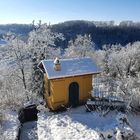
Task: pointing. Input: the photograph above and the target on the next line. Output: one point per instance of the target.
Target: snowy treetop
(70, 67)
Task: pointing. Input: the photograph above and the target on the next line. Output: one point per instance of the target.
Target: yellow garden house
(67, 81)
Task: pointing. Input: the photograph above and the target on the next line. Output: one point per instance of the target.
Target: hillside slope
(105, 34)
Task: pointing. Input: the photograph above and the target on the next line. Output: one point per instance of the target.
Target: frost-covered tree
(82, 46)
(123, 70)
(17, 69)
(124, 66)
(42, 46)
(42, 41)
(13, 94)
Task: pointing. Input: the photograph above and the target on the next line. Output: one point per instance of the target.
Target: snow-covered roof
(70, 67)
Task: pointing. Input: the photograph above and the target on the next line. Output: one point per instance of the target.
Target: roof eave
(74, 75)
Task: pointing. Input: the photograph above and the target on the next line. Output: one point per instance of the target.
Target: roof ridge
(75, 58)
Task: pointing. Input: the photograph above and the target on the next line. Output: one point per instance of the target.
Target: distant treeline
(20, 29)
(101, 32)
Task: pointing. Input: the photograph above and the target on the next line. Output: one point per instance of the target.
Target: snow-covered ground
(135, 123)
(29, 131)
(10, 125)
(78, 124)
(74, 124)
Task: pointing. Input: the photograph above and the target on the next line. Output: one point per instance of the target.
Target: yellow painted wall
(59, 90)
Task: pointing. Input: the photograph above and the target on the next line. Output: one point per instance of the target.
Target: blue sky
(55, 11)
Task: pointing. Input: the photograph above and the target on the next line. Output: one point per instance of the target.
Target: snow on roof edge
(41, 62)
(57, 77)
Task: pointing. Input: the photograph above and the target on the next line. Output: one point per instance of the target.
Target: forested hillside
(101, 32)
(20, 29)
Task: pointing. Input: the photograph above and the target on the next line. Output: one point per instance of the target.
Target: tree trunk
(23, 79)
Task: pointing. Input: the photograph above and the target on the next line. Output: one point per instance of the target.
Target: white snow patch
(29, 131)
(78, 124)
(10, 125)
(75, 124)
(59, 127)
(135, 123)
